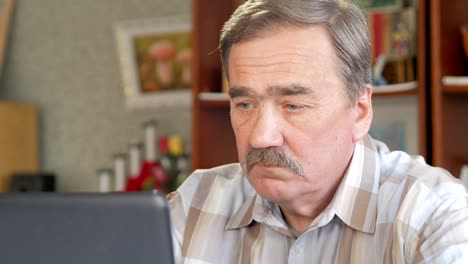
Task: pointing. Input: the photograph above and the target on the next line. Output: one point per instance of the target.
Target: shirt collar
(260, 210)
(244, 216)
(355, 201)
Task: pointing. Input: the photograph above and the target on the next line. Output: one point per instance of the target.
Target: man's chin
(271, 189)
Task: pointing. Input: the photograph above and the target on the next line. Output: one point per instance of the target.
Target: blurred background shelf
(455, 89)
(449, 94)
(407, 88)
(455, 84)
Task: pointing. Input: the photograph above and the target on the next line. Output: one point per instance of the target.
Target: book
(393, 34)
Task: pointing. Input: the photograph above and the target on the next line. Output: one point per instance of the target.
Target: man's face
(286, 96)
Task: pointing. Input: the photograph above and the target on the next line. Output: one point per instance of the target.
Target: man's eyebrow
(238, 91)
(289, 90)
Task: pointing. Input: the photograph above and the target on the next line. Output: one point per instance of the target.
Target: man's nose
(266, 130)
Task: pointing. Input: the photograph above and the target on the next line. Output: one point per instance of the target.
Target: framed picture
(6, 10)
(155, 58)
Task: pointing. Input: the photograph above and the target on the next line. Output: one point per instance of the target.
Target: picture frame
(6, 11)
(155, 60)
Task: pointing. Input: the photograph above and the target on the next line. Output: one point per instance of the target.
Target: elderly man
(311, 185)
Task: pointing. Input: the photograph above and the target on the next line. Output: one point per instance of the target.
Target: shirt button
(299, 249)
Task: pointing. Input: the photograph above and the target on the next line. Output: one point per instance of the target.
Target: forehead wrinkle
(286, 64)
(296, 50)
(266, 59)
(249, 63)
(270, 71)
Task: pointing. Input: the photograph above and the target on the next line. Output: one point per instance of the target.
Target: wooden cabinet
(449, 100)
(213, 141)
(18, 141)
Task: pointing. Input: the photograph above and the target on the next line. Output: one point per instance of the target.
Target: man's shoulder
(219, 190)
(426, 206)
(412, 174)
(227, 171)
(229, 175)
(413, 189)
(204, 204)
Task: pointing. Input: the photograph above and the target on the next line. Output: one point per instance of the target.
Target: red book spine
(378, 34)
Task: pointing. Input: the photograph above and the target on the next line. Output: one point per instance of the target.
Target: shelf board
(407, 88)
(455, 84)
(214, 99)
(455, 89)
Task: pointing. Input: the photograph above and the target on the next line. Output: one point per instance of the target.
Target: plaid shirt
(389, 208)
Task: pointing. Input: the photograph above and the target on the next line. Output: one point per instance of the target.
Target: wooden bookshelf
(213, 141)
(449, 101)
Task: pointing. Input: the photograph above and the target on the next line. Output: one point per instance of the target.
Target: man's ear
(363, 114)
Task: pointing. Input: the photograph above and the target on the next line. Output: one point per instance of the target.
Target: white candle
(104, 180)
(464, 175)
(135, 158)
(150, 142)
(119, 172)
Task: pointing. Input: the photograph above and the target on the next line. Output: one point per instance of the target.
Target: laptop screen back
(53, 228)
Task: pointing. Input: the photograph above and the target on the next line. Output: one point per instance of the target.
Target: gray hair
(344, 21)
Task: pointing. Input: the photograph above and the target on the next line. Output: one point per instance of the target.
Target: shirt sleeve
(444, 239)
(431, 225)
(178, 218)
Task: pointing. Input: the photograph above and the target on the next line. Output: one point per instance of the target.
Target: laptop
(60, 228)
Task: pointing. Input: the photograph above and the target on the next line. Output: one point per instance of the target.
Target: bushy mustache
(272, 156)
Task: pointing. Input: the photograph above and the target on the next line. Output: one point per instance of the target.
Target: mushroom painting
(163, 61)
(184, 57)
(163, 53)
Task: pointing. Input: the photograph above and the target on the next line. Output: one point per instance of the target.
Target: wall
(398, 115)
(62, 57)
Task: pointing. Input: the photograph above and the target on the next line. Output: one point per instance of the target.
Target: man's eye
(294, 107)
(244, 105)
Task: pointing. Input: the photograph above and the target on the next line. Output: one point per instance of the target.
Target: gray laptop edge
(59, 228)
